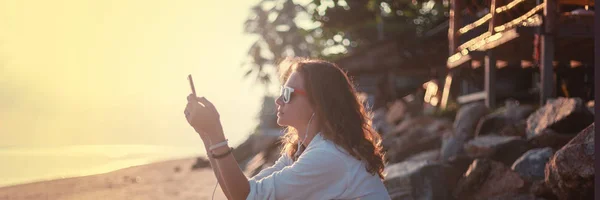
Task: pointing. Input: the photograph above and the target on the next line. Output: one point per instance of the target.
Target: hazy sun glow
(76, 72)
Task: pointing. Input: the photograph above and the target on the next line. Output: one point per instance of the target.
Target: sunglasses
(286, 93)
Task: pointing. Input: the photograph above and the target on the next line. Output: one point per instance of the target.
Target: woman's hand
(202, 115)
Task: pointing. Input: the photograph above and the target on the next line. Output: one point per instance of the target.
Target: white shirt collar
(318, 138)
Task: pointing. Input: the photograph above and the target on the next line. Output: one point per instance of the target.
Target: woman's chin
(281, 121)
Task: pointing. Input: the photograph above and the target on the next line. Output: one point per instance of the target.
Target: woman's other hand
(202, 115)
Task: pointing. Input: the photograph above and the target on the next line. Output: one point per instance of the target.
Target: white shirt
(323, 171)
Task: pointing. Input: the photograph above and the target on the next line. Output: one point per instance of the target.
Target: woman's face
(297, 111)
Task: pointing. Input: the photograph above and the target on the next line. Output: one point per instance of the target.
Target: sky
(113, 72)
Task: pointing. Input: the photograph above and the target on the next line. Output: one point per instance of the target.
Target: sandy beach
(172, 179)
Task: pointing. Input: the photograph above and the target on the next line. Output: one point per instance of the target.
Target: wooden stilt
(453, 41)
(547, 52)
(490, 64)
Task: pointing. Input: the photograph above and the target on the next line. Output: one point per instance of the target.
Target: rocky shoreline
(514, 152)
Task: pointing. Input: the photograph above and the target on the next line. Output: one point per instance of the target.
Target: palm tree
(275, 22)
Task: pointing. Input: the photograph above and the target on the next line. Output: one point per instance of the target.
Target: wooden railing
(490, 39)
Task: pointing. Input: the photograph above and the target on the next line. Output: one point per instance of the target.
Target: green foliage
(275, 22)
(363, 22)
(329, 29)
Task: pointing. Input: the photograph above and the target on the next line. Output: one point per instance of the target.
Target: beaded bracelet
(220, 144)
(223, 155)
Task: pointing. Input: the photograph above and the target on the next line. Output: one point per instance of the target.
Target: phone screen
(192, 85)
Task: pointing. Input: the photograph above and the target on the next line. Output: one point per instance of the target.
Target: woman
(330, 150)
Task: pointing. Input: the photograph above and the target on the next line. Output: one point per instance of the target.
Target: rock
(200, 163)
(505, 149)
(452, 146)
(396, 112)
(485, 146)
(464, 125)
(430, 155)
(260, 141)
(540, 189)
(255, 165)
(515, 129)
(420, 180)
(379, 122)
(531, 164)
(397, 178)
(418, 138)
(486, 179)
(262, 160)
(570, 172)
(407, 125)
(266, 138)
(550, 138)
(515, 196)
(468, 117)
(514, 111)
(500, 125)
(507, 121)
(491, 124)
(243, 152)
(563, 115)
(136, 179)
(475, 176)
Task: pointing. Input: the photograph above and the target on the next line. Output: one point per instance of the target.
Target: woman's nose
(279, 101)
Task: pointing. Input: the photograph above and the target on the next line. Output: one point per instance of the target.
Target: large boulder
(540, 189)
(570, 172)
(531, 164)
(550, 138)
(396, 112)
(464, 125)
(264, 139)
(412, 180)
(505, 149)
(516, 196)
(508, 121)
(563, 115)
(486, 179)
(407, 125)
(430, 155)
(244, 151)
(379, 122)
(419, 137)
(267, 155)
(514, 111)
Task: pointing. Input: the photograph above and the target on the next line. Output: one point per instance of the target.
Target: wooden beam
(490, 63)
(446, 91)
(547, 51)
(477, 96)
(454, 25)
(490, 79)
(455, 63)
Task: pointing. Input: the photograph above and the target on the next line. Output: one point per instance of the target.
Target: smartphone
(192, 85)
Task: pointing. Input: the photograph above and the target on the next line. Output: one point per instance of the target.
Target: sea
(20, 165)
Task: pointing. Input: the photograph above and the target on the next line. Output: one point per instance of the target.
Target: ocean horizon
(22, 165)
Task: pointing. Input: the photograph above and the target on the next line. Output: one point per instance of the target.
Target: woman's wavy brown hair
(344, 120)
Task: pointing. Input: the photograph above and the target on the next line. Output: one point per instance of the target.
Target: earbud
(297, 154)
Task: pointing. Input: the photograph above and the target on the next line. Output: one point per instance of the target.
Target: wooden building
(396, 67)
(543, 35)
